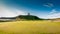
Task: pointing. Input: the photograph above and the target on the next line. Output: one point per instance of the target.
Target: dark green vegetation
(29, 17)
(20, 17)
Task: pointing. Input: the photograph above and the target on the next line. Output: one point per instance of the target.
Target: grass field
(30, 27)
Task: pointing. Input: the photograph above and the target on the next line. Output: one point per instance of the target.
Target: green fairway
(30, 27)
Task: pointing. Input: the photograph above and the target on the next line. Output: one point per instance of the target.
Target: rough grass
(30, 27)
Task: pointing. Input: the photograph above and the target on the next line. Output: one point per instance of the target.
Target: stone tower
(28, 14)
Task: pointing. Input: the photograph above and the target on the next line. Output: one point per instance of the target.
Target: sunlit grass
(30, 27)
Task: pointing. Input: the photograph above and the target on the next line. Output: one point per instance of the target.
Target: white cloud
(53, 14)
(56, 15)
(53, 11)
(8, 12)
(48, 5)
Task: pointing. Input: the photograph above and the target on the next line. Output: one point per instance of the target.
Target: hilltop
(21, 17)
(28, 17)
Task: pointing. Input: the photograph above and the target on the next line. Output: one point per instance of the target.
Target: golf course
(30, 27)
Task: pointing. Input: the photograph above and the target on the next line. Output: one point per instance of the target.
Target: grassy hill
(20, 17)
(28, 17)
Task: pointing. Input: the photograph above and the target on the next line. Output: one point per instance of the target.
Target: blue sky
(41, 8)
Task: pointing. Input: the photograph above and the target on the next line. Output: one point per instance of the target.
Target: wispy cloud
(48, 5)
(56, 15)
(53, 14)
(53, 11)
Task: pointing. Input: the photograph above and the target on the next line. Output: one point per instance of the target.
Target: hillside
(23, 17)
(28, 17)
